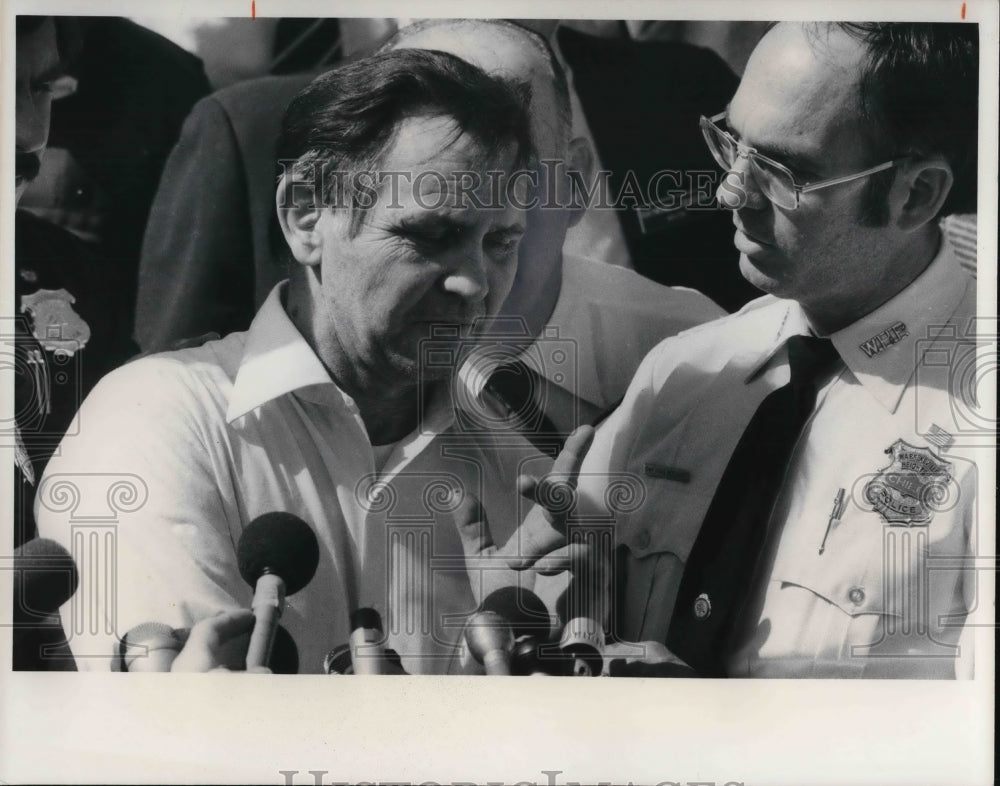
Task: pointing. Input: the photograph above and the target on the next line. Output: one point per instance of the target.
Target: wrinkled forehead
(501, 53)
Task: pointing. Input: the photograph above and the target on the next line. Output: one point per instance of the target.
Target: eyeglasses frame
(745, 151)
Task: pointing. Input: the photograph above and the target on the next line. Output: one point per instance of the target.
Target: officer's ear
(919, 190)
(581, 160)
(298, 216)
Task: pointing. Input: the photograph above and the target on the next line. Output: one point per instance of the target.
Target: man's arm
(142, 503)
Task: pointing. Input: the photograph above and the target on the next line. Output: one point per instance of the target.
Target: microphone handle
(367, 655)
(268, 605)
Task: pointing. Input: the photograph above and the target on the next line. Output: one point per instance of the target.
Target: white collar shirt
(177, 453)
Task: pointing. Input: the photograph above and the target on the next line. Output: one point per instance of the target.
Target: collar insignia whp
(882, 341)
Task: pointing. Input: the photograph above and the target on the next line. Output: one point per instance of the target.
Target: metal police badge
(55, 325)
(912, 487)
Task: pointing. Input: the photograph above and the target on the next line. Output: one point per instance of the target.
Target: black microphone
(504, 617)
(277, 554)
(523, 609)
(45, 577)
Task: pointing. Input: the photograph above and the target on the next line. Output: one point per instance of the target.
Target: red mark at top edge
(253, 9)
(963, 10)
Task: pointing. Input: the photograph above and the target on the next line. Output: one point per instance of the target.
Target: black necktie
(724, 556)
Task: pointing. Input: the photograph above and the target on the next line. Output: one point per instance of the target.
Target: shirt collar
(881, 348)
(276, 360)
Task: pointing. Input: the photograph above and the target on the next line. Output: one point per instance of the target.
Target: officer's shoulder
(712, 344)
(625, 287)
(758, 311)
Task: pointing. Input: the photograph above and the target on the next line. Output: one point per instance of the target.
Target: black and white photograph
(498, 340)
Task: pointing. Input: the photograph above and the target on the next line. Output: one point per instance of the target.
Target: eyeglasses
(775, 180)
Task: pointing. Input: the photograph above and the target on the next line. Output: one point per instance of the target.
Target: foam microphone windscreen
(45, 577)
(523, 609)
(281, 544)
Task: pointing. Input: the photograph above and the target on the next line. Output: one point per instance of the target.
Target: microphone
(277, 555)
(365, 644)
(149, 647)
(45, 577)
(523, 609)
(490, 639)
(583, 642)
(506, 617)
(284, 654)
(338, 660)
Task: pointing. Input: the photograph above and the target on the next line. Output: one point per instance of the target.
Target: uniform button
(856, 596)
(702, 607)
(642, 539)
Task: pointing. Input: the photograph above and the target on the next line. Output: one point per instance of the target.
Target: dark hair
(919, 93)
(69, 34)
(345, 120)
(538, 42)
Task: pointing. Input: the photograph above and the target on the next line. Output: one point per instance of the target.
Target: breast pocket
(873, 602)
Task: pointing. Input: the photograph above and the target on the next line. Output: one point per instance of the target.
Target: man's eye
(503, 242)
(431, 235)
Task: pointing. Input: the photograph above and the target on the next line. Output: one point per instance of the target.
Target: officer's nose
(738, 187)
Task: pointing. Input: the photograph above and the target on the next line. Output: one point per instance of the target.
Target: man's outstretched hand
(540, 542)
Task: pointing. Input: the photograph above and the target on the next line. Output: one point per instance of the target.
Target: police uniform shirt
(180, 451)
(889, 593)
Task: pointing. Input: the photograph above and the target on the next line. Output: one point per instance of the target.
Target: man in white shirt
(845, 144)
(326, 408)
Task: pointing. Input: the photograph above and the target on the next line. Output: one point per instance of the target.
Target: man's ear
(920, 189)
(580, 159)
(298, 225)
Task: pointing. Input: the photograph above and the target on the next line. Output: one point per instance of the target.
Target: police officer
(63, 332)
(799, 467)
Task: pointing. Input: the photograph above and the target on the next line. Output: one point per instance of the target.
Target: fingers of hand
(205, 649)
(556, 492)
(474, 528)
(574, 557)
(570, 458)
(535, 538)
